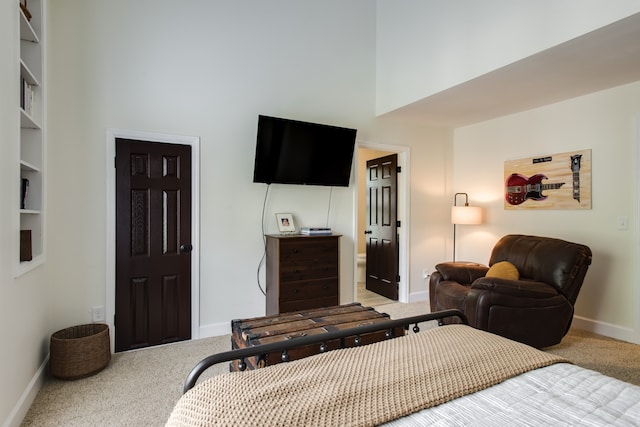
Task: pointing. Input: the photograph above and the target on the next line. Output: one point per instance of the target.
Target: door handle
(186, 248)
(368, 232)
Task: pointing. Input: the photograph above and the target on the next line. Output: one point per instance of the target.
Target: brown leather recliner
(536, 309)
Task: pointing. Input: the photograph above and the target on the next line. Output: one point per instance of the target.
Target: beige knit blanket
(361, 386)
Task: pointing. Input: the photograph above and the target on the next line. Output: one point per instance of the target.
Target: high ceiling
(602, 59)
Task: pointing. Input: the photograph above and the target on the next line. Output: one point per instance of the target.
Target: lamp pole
(453, 220)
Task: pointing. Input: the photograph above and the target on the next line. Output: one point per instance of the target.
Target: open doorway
(365, 153)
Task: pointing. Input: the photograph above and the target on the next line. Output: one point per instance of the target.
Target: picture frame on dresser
(285, 223)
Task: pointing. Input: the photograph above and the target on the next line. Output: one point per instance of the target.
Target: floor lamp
(463, 215)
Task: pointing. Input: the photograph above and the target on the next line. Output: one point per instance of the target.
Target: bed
(438, 375)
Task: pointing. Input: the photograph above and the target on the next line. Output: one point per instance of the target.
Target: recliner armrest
(516, 288)
(461, 272)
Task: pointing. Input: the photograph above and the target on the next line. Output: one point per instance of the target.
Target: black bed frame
(388, 326)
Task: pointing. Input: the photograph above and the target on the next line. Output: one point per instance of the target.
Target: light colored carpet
(612, 357)
(139, 388)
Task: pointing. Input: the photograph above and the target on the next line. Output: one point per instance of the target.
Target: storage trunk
(269, 329)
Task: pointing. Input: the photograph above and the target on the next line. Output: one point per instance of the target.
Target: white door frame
(403, 216)
(636, 269)
(194, 142)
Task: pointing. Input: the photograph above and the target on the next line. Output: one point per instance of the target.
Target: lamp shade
(466, 215)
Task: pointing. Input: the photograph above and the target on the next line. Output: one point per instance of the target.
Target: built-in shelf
(32, 169)
(26, 121)
(26, 74)
(26, 29)
(26, 266)
(28, 167)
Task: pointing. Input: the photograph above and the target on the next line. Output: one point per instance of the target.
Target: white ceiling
(602, 59)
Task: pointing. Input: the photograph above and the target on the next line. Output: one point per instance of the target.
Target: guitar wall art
(558, 181)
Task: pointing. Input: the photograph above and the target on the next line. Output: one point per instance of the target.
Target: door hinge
(398, 224)
(398, 169)
(398, 281)
(115, 163)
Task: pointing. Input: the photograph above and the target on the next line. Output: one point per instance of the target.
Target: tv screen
(295, 152)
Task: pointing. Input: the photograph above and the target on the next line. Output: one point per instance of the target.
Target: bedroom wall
(23, 300)
(425, 47)
(208, 69)
(605, 122)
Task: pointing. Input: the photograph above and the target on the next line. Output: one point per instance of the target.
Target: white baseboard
(215, 330)
(604, 328)
(419, 296)
(28, 396)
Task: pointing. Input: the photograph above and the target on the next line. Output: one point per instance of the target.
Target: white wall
(606, 123)
(24, 299)
(207, 69)
(427, 46)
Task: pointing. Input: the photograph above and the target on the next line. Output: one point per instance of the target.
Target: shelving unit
(32, 140)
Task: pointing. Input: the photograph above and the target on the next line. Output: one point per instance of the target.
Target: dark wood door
(381, 231)
(153, 243)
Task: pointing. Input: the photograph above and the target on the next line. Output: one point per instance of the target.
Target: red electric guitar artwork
(520, 188)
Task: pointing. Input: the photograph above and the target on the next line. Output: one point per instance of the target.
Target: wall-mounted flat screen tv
(295, 152)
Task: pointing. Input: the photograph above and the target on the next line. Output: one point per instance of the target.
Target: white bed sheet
(557, 395)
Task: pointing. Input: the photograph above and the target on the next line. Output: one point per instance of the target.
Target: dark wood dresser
(302, 272)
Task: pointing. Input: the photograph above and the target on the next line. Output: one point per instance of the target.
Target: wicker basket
(80, 351)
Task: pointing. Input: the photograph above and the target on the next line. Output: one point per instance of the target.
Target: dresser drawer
(308, 270)
(293, 291)
(308, 250)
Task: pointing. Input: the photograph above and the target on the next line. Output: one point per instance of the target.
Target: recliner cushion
(503, 270)
(450, 294)
(560, 263)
